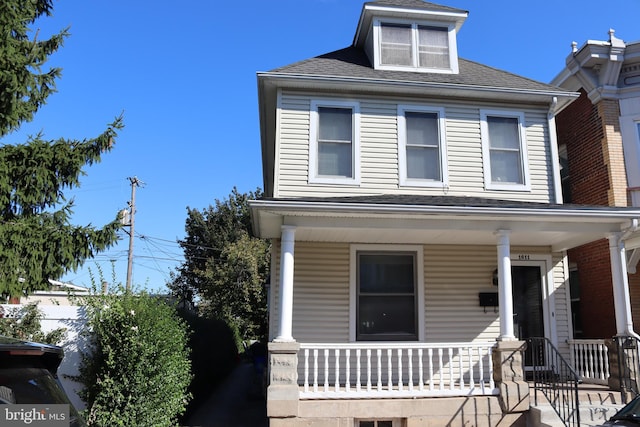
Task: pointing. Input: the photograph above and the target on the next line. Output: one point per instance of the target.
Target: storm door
(528, 310)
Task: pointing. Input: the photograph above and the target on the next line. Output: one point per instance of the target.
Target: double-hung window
(422, 146)
(333, 145)
(386, 294)
(418, 46)
(504, 151)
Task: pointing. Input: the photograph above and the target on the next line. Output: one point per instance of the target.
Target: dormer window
(415, 46)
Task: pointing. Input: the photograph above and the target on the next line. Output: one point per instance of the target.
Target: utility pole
(135, 182)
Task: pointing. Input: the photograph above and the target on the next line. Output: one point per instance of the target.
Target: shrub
(137, 370)
(24, 323)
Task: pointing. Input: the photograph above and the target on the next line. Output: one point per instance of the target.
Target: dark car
(628, 416)
(28, 376)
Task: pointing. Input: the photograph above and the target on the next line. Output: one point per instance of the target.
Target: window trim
(314, 178)
(453, 49)
(353, 283)
(405, 181)
(486, 151)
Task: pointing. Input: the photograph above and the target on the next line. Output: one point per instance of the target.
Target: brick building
(598, 137)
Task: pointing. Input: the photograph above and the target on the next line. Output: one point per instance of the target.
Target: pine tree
(37, 240)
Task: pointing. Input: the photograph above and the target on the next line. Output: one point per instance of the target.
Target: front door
(528, 312)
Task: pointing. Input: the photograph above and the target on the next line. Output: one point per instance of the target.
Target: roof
(457, 201)
(415, 4)
(352, 62)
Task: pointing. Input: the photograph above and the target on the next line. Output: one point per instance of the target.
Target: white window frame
(486, 151)
(453, 49)
(353, 282)
(402, 147)
(314, 177)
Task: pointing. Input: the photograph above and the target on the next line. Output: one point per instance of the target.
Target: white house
(419, 237)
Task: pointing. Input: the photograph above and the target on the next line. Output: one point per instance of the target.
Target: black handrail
(628, 365)
(555, 379)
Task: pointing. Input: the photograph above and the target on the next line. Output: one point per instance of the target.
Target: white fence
(590, 359)
(370, 370)
(72, 319)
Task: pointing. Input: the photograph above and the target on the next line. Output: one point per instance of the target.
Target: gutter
(384, 208)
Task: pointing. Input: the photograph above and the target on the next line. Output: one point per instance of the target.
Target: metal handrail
(554, 377)
(628, 365)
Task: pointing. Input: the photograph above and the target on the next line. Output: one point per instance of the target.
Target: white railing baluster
(492, 384)
(605, 363)
(410, 368)
(472, 383)
(306, 369)
(420, 370)
(326, 370)
(337, 370)
(368, 369)
(430, 352)
(389, 371)
(347, 386)
(358, 370)
(399, 363)
(461, 369)
(450, 368)
(379, 357)
(440, 369)
(481, 370)
(315, 370)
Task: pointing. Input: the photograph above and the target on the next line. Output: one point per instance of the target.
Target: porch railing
(590, 360)
(359, 370)
(554, 377)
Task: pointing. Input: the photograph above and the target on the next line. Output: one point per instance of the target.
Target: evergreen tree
(37, 242)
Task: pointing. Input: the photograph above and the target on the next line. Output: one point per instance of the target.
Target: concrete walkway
(237, 402)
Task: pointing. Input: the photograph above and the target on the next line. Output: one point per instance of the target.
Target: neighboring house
(57, 294)
(599, 141)
(419, 238)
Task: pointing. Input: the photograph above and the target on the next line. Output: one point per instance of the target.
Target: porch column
(287, 244)
(621, 300)
(505, 291)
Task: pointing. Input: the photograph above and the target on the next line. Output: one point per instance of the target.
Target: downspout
(616, 243)
(553, 146)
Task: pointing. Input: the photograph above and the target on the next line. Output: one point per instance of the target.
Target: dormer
(410, 35)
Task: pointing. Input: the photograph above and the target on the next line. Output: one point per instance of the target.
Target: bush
(138, 369)
(24, 323)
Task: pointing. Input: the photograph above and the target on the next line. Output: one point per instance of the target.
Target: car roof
(48, 355)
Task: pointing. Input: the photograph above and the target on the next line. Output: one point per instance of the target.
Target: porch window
(504, 151)
(334, 143)
(386, 296)
(422, 146)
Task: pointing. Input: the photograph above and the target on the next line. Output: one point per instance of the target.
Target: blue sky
(184, 76)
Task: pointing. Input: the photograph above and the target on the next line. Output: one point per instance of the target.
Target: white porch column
(287, 244)
(505, 290)
(621, 299)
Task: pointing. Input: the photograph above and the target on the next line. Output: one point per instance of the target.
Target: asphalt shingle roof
(416, 4)
(353, 62)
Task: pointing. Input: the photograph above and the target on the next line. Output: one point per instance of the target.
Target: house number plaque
(524, 257)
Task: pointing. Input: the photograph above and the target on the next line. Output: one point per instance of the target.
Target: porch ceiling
(558, 229)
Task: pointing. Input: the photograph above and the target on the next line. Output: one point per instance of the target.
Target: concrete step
(590, 416)
(597, 405)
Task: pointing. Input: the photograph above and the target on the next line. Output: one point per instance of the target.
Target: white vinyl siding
(379, 153)
(453, 277)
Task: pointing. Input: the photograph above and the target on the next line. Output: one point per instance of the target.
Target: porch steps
(597, 405)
